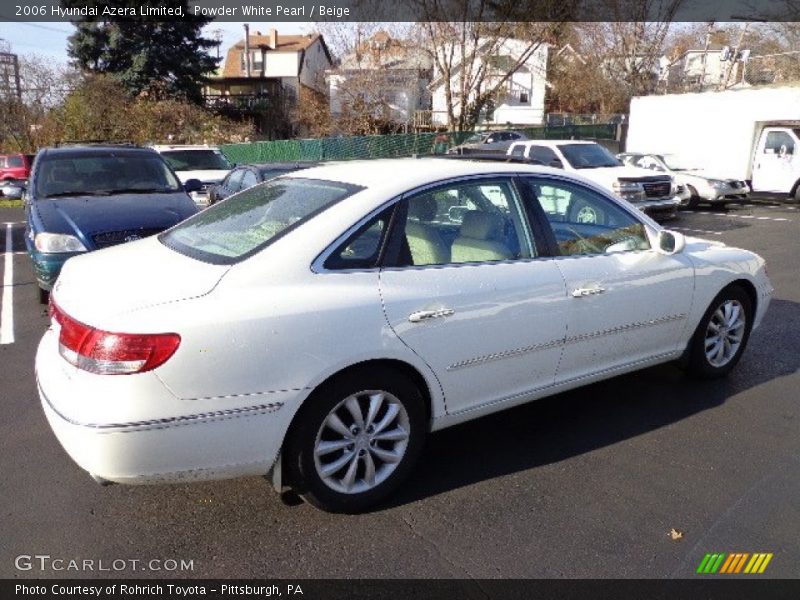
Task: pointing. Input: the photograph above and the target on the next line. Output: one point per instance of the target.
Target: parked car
(205, 163)
(656, 195)
(700, 185)
(84, 198)
(246, 176)
(488, 142)
(12, 189)
(320, 326)
(15, 166)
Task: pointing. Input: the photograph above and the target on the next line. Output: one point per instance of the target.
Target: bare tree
(463, 56)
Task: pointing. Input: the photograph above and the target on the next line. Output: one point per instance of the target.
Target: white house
(521, 98)
(703, 68)
(389, 76)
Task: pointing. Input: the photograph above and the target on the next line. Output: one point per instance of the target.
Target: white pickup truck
(656, 195)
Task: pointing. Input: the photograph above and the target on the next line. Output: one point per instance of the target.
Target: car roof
(167, 147)
(552, 142)
(94, 150)
(406, 173)
(279, 166)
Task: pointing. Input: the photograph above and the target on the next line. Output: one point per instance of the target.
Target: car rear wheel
(44, 296)
(355, 440)
(722, 335)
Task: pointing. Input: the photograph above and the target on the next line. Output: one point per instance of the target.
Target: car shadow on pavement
(556, 428)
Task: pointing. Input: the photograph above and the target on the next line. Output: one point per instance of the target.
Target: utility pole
(709, 31)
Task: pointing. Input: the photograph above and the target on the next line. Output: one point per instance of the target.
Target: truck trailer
(751, 134)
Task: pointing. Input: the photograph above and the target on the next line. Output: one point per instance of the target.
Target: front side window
(779, 142)
(228, 232)
(476, 221)
(103, 175)
(585, 222)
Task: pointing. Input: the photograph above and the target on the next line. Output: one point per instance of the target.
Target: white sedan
(700, 187)
(318, 326)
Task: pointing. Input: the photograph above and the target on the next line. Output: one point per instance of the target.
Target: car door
(775, 167)
(628, 303)
(472, 294)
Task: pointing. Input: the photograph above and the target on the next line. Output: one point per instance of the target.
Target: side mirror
(670, 242)
(193, 185)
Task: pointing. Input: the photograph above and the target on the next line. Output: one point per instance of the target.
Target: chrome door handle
(427, 315)
(592, 291)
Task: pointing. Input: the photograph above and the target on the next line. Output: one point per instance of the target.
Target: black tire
(796, 195)
(698, 364)
(44, 296)
(299, 449)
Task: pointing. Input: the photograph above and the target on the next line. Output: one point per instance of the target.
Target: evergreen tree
(160, 59)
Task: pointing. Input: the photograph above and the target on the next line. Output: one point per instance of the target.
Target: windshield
(196, 160)
(588, 156)
(474, 138)
(101, 175)
(232, 230)
(677, 163)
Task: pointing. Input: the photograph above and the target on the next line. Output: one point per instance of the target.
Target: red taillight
(109, 353)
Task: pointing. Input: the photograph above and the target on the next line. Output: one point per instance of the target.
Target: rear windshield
(233, 230)
(588, 156)
(104, 175)
(196, 160)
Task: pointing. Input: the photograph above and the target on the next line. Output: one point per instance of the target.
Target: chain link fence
(390, 146)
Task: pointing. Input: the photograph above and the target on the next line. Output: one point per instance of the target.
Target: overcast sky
(50, 39)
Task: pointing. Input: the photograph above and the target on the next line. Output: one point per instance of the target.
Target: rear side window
(229, 232)
(543, 154)
(249, 180)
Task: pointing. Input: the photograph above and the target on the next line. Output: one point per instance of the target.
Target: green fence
(389, 146)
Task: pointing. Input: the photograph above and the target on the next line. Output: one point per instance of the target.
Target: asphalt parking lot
(584, 484)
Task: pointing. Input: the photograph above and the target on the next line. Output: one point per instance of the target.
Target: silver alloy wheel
(724, 333)
(361, 441)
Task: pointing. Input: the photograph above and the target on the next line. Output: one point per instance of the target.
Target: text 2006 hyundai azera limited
(326, 321)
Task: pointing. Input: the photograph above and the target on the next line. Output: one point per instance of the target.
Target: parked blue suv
(89, 197)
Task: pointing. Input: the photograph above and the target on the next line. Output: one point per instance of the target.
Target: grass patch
(10, 203)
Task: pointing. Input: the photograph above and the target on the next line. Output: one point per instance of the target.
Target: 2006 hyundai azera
(320, 325)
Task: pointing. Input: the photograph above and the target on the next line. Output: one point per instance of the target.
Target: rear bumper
(132, 430)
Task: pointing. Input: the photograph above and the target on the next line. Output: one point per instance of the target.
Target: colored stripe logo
(733, 563)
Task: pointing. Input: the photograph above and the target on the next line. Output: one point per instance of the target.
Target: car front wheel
(721, 336)
(355, 440)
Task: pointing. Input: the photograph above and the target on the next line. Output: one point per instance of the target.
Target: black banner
(404, 10)
(732, 588)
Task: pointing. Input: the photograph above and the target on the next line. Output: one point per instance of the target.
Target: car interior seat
(424, 241)
(479, 238)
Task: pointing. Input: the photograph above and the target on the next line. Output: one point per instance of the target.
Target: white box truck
(752, 134)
